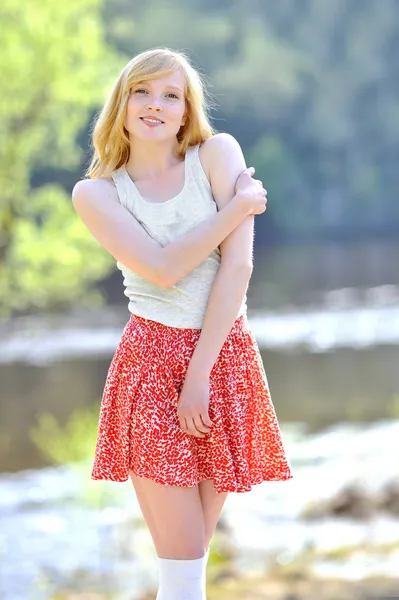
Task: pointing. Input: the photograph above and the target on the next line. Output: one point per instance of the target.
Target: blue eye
(145, 91)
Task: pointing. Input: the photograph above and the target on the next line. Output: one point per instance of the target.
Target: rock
(351, 501)
(389, 498)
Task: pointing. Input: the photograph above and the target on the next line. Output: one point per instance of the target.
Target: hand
(250, 193)
(193, 405)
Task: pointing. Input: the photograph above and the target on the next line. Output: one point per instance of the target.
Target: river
(326, 319)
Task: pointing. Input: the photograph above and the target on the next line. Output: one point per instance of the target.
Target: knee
(183, 551)
(183, 555)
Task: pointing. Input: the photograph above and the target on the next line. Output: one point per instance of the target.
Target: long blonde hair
(110, 139)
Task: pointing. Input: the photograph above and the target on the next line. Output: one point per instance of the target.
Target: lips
(152, 118)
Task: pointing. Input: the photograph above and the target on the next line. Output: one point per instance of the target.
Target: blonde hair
(110, 139)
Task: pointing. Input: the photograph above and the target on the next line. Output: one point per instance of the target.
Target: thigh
(174, 517)
(212, 504)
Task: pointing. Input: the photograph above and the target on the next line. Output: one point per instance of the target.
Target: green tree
(54, 69)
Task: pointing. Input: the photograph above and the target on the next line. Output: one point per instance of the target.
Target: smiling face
(161, 99)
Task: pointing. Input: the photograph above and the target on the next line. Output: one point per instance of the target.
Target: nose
(154, 104)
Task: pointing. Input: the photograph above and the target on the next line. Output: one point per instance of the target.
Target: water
(327, 315)
(327, 322)
(57, 526)
(344, 382)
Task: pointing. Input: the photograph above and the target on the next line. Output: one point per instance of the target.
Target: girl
(186, 411)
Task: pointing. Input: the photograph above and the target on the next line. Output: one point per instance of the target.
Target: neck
(151, 160)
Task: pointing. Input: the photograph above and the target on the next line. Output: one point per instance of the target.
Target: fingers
(261, 208)
(250, 171)
(206, 420)
(260, 184)
(191, 429)
(197, 426)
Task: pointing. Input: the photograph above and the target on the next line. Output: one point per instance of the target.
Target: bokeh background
(310, 89)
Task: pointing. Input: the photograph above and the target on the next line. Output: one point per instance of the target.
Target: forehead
(174, 79)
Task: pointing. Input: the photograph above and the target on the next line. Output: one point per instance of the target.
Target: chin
(153, 134)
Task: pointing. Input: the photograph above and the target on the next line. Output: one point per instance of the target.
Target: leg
(175, 520)
(174, 517)
(212, 504)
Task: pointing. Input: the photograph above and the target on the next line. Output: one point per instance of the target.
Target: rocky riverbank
(274, 588)
(266, 588)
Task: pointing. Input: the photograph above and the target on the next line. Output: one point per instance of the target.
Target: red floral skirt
(139, 428)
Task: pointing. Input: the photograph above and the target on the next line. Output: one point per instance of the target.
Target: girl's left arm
(226, 161)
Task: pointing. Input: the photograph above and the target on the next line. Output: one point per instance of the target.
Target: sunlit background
(310, 89)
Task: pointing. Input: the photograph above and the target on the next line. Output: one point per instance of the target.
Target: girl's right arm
(115, 228)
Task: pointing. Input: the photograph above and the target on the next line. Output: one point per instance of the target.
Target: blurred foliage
(394, 407)
(310, 89)
(54, 68)
(51, 255)
(72, 443)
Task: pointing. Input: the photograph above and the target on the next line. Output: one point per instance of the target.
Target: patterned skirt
(139, 428)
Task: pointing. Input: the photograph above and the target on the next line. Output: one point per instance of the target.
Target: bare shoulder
(94, 190)
(219, 149)
(220, 141)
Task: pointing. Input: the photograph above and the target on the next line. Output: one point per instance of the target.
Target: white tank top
(184, 304)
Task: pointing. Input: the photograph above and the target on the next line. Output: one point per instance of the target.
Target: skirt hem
(229, 488)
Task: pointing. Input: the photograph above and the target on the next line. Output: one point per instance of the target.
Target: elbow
(160, 282)
(160, 279)
(248, 267)
(238, 269)
(163, 276)
(166, 281)
(151, 270)
(244, 271)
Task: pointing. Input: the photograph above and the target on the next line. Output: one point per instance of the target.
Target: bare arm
(228, 289)
(115, 228)
(231, 283)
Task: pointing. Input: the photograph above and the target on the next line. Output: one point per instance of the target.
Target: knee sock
(182, 579)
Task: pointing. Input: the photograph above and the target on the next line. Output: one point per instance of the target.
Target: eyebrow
(172, 87)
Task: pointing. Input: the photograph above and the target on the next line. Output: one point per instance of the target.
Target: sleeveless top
(184, 304)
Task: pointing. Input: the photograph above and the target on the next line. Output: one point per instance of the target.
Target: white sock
(182, 579)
